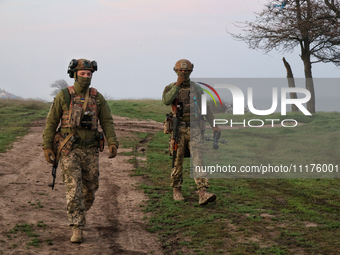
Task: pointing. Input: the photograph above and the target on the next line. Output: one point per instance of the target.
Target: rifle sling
(75, 130)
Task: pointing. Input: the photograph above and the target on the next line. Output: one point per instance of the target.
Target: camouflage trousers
(80, 173)
(195, 146)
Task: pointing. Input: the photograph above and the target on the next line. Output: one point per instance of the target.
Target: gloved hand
(112, 150)
(181, 78)
(48, 154)
(216, 129)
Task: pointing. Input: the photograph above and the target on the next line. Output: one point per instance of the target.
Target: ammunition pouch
(86, 121)
(75, 118)
(168, 124)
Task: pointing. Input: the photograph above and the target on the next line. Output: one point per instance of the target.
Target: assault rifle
(174, 139)
(175, 128)
(54, 172)
(55, 165)
(216, 139)
(55, 146)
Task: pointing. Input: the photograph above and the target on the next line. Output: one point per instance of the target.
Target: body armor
(187, 97)
(73, 118)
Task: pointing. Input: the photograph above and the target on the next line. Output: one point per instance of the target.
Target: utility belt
(168, 124)
(86, 143)
(189, 124)
(76, 142)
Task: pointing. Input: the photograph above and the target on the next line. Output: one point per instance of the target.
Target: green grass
(27, 234)
(34, 242)
(251, 216)
(16, 117)
(25, 228)
(315, 142)
(140, 109)
(241, 203)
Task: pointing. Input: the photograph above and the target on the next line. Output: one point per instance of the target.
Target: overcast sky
(135, 42)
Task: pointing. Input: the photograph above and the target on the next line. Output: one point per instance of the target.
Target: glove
(216, 129)
(48, 154)
(180, 80)
(112, 151)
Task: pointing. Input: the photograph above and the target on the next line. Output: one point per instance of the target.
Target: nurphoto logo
(238, 104)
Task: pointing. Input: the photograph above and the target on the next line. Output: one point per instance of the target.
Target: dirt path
(115, 222)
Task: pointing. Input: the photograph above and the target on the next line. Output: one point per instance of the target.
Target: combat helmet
(183, 64)
(81, 64)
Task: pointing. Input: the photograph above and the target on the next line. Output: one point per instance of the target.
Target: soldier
(78, 109)
(178, 93)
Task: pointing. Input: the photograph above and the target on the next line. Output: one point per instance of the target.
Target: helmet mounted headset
(81, 64)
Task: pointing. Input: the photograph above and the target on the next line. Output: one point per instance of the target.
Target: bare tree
(108, 97)
(309, 24)
(58, 85)
(291, 83)
(334, 6)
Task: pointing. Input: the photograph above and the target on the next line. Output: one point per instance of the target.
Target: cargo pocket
(167, 126)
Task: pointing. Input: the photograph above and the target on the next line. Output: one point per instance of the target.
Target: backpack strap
(70, 90)
(67, 97)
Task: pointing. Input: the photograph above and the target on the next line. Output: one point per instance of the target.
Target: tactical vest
(188, 97)
(77, 101)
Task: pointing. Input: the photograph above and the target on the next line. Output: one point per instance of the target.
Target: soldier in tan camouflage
(78, 109)
(190, 125)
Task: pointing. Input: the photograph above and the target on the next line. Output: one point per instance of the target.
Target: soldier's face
(183, 71)
(85, 73)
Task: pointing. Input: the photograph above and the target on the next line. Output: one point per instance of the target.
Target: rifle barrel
(54, 173)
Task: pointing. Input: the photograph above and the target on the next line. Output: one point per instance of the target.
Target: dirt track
(114, 223)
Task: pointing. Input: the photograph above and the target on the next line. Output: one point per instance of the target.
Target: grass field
(140, 109)
(250, 216)
(15, 118)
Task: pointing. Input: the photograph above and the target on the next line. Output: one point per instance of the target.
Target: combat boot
(178, 194)
(77, 236)
(205, 197)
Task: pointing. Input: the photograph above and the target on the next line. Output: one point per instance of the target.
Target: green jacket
(171, 91)
(56, 111)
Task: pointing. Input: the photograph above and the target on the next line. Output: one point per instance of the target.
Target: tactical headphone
(72, 67)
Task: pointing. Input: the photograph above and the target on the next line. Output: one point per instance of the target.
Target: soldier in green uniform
(77, 110)
(190, 122)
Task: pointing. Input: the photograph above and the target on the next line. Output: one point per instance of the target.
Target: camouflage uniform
(79, 162)
(188, 123)
(80, 175)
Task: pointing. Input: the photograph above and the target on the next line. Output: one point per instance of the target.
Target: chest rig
(187, 98)
(74, 117)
